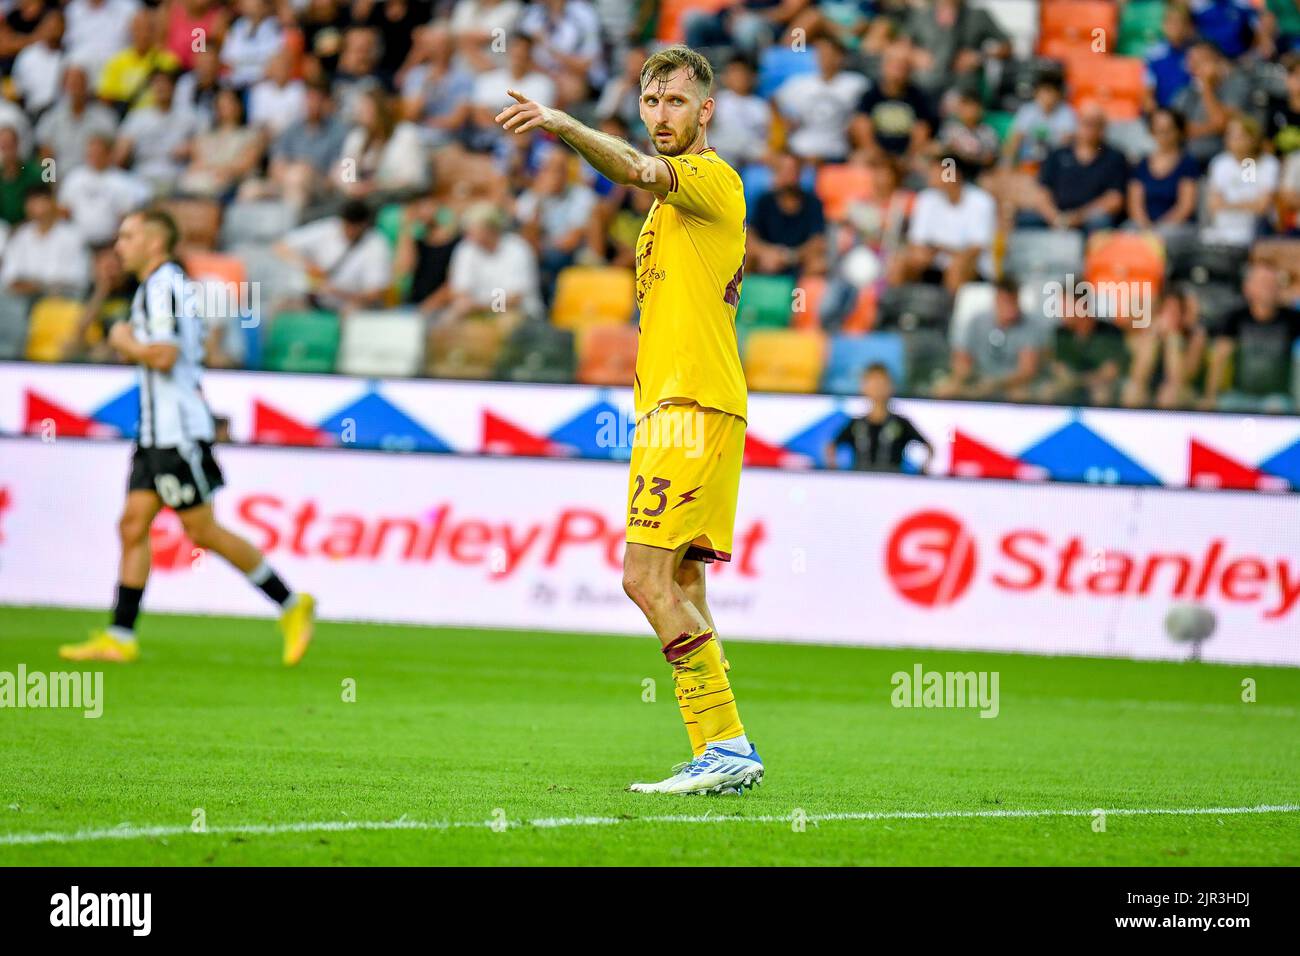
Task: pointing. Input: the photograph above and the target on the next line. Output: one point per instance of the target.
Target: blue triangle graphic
(122, 412)
(1285, 464)
(1077, 453)
(598, 431)
(812, 440)
(376, 423)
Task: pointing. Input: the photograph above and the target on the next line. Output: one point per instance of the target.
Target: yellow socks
(703, 691)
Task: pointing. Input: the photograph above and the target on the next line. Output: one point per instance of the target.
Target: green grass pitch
(455, 732)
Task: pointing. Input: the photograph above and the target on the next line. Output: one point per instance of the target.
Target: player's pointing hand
(525, 114)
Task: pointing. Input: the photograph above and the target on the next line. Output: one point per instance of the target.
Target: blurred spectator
(347, 262)
(224, 155)
(742, 120)
(254, 37)
(96, 30)
(950, 239)
(277, 102)
(68, 126)
(492, 271)
(395, 21)
(477, 26)
(1283, 130)
(125, 74)
(965, 135)
(1082, 185)
(1167, 74)
(567, 38)
(553, 216)
(1229, 24)
(893, 114)
(951, 40)
(97, 194)
(111, 292)
(304, 155)
(998, 354)
(490, 95)
(196, 91)
(747, 25)
(1168, 360)
(1044, 124)
(1215, 91)
(1162, 194)
(787, 228)
(45, 255)
(436, 88)
(155, 140)
(382, 157)
(17, 177)
(1241, 184)
(1089, 358)
(817, 106)
(18, 29)
(621, 96)
(355, 73)
(38, 69)
(193, 26)
(323, 23)
(879, 439)
(426, 240)
(1257, 341)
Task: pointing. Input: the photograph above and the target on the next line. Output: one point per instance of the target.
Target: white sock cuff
(260, 574)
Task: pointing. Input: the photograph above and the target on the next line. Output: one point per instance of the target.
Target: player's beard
(678, 144)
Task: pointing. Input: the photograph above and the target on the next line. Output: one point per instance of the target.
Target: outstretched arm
(615, 159)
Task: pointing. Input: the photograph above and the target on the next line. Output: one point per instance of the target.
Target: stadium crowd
(1072, 201)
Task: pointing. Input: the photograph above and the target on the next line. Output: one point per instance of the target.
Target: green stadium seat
(1140, 25)
(1000, 120)
(765, 303)
(302, 342)
(538, 352)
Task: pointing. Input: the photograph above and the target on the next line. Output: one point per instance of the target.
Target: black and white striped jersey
(173, 413)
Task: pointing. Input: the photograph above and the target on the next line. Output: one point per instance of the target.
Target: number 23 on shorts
(658, 489)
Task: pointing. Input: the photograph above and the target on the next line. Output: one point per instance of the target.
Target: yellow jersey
(690, 257)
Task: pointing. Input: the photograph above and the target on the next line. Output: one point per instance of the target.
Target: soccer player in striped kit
(173, 465)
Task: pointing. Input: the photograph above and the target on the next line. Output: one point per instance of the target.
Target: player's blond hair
(663, 64)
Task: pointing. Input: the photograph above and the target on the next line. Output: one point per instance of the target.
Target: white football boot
(715, 771)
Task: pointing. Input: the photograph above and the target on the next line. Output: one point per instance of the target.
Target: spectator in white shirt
(155, 139)
(951, 234)
(97, 195)
(475, 24)
(555, 214)
(279, 101)
(96, 30)
(39, 68)
(818, 106)
(381, 154)
(491, 270)
(250, 44)
(45, 255)
(65, 129)
(348, 264)
(490, 95)
(1242, 184)
(742, 120)
(567, 34)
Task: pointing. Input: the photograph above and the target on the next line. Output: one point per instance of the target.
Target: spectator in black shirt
(1083, 184)
(1261, 336)
(787, 231)
(893, 115)
(880, 437)
(426, 238)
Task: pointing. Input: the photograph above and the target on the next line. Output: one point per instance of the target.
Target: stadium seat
(1044, 252)
(1066, 25)
(914, 306)
(1000, 121)
(388, 221)
(13, 325)
(382, 344)
(783, 360)
(272, 280)
(1141, 25)
(1126, 257)
(302, 342)
(1201, 263)
(51, 327)
(257, 222)
(593, 295)
(670, 28)
(467, 350)
(778, 63)
(1116, 83)
(215, 267)
(1281, 254)
(1132, 138)
(928, 359)
(1018, 20)
(198, 221)
(538, 352)
(863, 317)
(972, 299)
(764, 303)
(839, 184)
(757, 179)
(805, 309)
(607, 354)
(851, 354)
(1214, 301)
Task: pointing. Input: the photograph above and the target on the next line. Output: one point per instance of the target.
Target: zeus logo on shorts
(641, 523)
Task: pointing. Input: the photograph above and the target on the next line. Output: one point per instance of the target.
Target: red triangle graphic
(766, 455)
(40, 411)
(974, 459)
(1208, 468)
(501, 437)
(272, 427)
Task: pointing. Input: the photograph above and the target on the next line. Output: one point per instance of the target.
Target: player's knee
(638, 586)
(132, 529)
(202, 534)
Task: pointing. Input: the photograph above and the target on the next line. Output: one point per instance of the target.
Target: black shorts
(181, 480)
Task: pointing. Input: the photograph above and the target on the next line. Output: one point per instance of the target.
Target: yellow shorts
(684, 480)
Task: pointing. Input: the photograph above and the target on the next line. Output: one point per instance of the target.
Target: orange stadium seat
(1117, 83)
(52, 327)
(215, 267)
(1126, 257)
(806, 302)
(593, 295)
(607, 354)
(1072, 24)
(784, 360)
(839, 184)
(672, 15)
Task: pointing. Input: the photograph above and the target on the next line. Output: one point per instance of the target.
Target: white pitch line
(345, 826)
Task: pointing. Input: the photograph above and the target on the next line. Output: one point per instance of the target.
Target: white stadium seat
(382, 344)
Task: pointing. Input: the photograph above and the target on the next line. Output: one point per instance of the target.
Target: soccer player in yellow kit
(689, 394)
